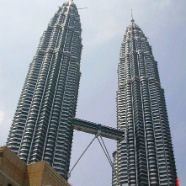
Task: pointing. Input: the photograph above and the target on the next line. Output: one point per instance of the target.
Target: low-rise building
(15, 172)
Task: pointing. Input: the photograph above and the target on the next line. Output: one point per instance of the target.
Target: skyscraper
(146, 157)
(42, 126)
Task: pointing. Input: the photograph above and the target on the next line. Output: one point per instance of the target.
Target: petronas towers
(146, 157)
(42, 127)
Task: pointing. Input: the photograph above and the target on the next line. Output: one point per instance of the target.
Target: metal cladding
(146, 157)
(42, 127)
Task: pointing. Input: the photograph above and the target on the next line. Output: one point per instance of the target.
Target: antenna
(83, 8)
(132, 16)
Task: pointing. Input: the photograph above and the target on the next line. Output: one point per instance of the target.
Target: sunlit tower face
(146, 157)
(42, 126)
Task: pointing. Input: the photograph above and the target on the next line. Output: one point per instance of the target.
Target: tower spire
(132, 20)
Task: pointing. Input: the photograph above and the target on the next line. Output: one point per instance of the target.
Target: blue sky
(103, 24)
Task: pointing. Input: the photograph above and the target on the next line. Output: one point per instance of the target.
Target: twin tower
(44, 121)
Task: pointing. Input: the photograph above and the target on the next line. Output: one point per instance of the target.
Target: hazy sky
(103, 23)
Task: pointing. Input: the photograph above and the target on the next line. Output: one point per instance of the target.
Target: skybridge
(98, 129)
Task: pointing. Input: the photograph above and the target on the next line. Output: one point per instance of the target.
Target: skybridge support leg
(69, 174)
(104, 148)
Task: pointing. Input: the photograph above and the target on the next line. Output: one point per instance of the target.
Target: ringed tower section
(42, 127)
(146, 157)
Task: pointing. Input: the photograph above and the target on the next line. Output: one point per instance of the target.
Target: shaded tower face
(42, 126)
(146, 157)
